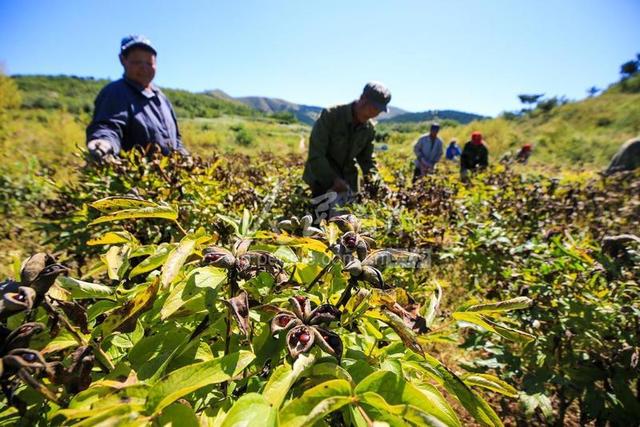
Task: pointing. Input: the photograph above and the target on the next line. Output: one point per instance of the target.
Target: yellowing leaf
(131, 309)
(117, 203)
(176, 260)
(490, 382)
(511, 304)
(165, 212)
(113, 238)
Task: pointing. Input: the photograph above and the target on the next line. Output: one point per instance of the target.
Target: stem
(364, 415)
(322, 273)
(346, 294)
(180, 227)
(100, 355)
(232, 279)
(65, 323)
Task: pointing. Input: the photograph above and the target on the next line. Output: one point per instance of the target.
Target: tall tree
(530, 99)
(629, 68)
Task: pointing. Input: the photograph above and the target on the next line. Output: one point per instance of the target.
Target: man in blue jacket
(132, 111)
(428, 151)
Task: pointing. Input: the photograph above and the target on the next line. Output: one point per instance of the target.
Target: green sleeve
(318, 147)
(366, 159)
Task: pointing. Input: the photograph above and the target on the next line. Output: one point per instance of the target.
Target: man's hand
(99, 150)
(340, 185)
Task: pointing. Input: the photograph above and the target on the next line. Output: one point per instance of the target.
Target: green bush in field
(242, 136)
(9, 94)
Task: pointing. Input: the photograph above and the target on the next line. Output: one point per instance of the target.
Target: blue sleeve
(110, 118)
(438, 154)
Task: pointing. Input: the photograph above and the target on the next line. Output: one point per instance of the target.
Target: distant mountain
(309, 113)
(304, 113)
(423, 116)
(393, 112)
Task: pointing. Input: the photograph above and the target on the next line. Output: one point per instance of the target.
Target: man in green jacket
(342, 136)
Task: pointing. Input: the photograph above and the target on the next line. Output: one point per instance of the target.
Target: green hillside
(580, 134)
(458, 116)
(49, 120)
(47, 123)
(76, 95)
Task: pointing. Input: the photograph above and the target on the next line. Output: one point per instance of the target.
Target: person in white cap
(132, 111)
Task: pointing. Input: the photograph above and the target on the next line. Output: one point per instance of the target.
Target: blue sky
(467, 55)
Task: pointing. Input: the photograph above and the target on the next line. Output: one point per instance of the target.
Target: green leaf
(152, 262)
(60, 342)
(117, 261)
(117, 203)
(406, 334)
(283, 378)
(434, 303)
(396, 415)
(80, 289)
(511, 304)
(490, 382)
(151, 352)
(113, 238)
(477, 407)
(251, 409)
(115, 415)
(260, 286)
(192, 377)
(538, 400)
(207, 277)
(184, 295)
(176, 260)
(397, 392)
(286, 254)
(165, 212)
(503, 331)
(316, 403)
(131, 309)
(177, 415)
(328, 369)
(512, 334)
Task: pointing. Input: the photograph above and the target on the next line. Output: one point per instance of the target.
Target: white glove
(99, 149)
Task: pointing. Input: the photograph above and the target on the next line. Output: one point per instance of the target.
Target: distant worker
(453, 150)
(342, 136)
(524, 154)
(428, 151)
(132, 111)
(627, 158)
(475, 155)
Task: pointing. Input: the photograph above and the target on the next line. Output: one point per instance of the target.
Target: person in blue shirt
(132, 111)
(453, 150)
(428, 151)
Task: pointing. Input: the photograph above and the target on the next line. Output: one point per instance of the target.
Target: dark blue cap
(136, 40)
(378, 95)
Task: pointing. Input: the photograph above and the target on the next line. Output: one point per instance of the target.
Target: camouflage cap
(378, 95)
(136, 40)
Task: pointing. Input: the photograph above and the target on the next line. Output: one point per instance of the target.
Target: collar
(148, 93)
(350, 116)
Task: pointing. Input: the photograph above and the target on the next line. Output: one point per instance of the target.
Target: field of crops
(198, 293)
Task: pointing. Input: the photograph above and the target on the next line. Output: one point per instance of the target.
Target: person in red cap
(524, 154)
(475, 155)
